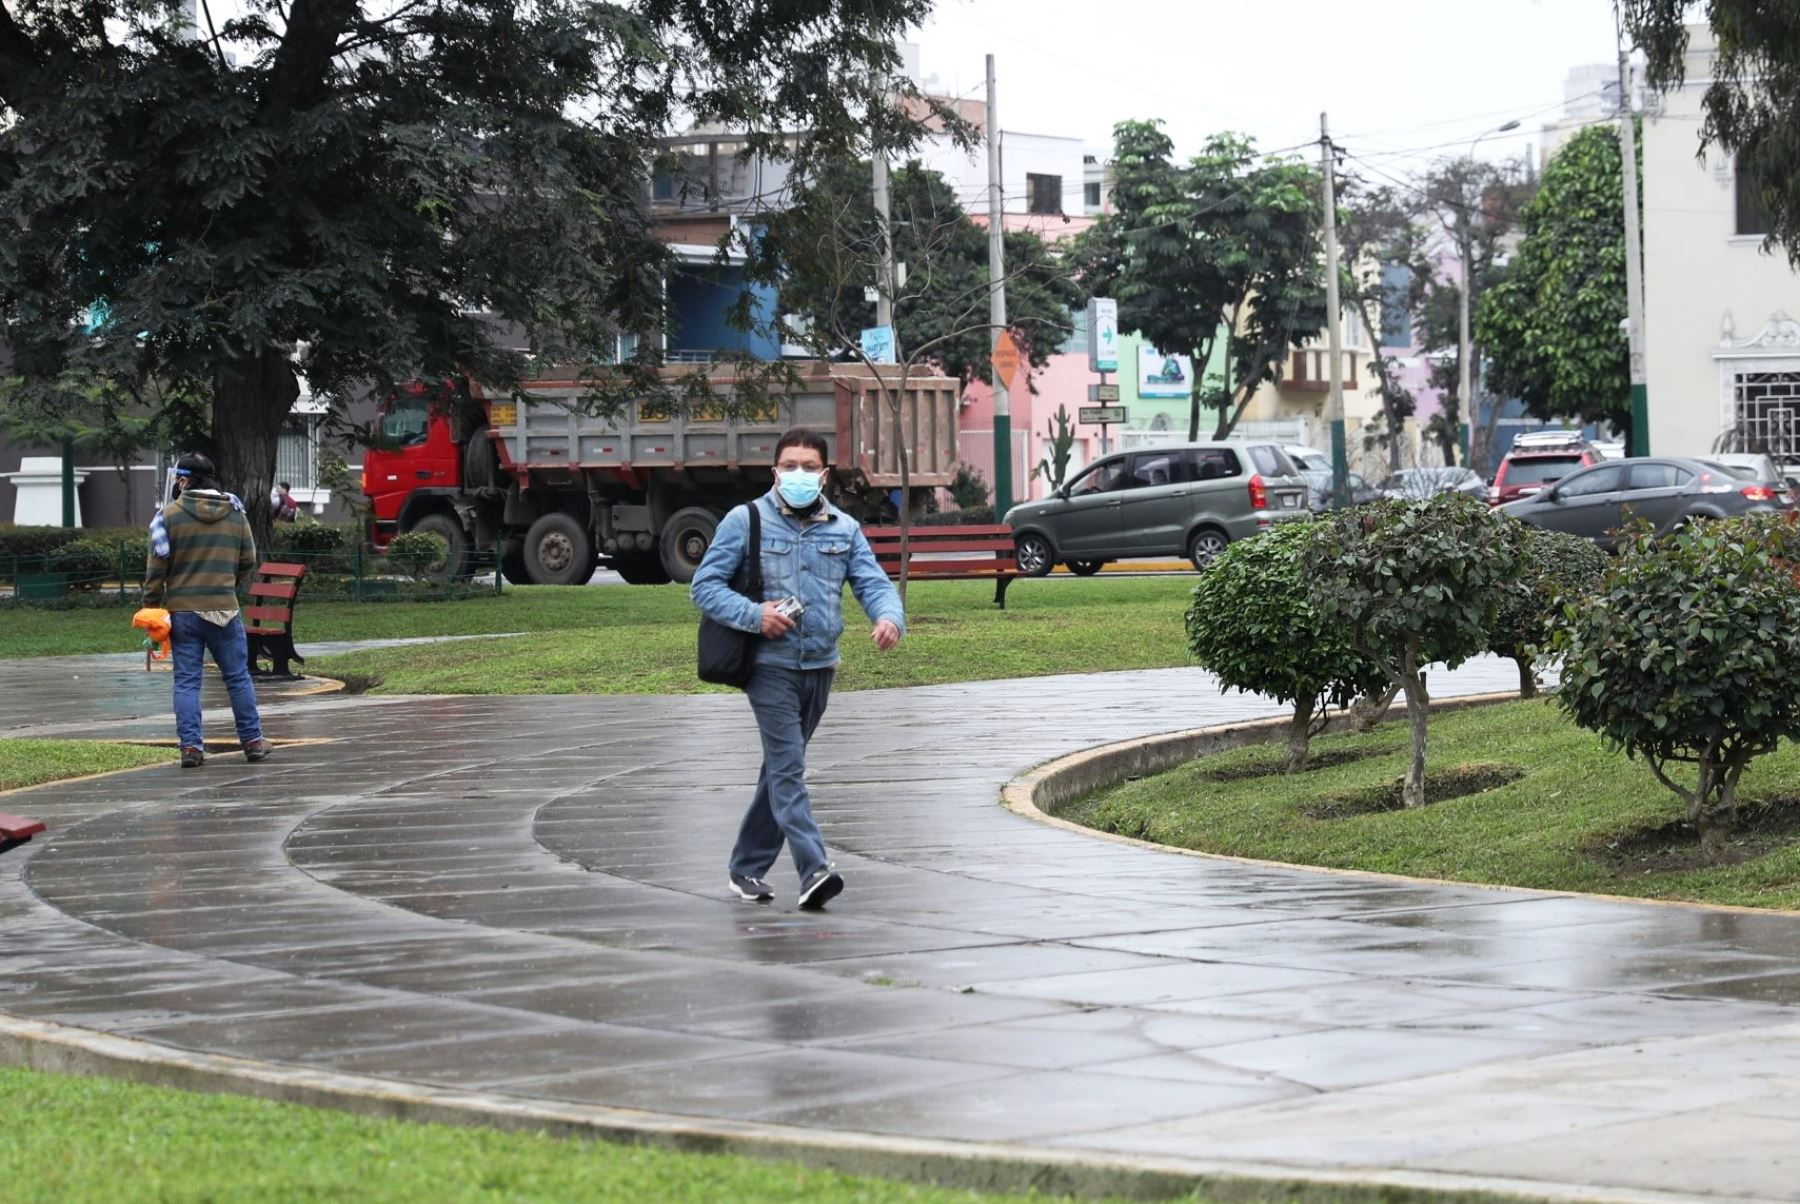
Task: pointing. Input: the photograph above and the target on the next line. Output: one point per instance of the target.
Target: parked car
(1598, 502)
(1189, 499)
(1307, 459)
(1418, 483)
(1539, 459)
(1320, 485)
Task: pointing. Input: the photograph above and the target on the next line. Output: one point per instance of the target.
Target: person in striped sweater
(201, 548)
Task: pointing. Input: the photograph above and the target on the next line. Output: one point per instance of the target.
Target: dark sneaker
(820, 888)
(192, 758)
(754, 890)
(258, 750)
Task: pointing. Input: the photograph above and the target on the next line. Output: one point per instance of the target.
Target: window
(1269, 462)
(1043, 193)
(1538, 470)
(297, 452)
(1752, 218)
(1214, 463)
(1768, 412)
(1090, 194)
(403, 426)
(1103, 477)
(1659, 476)
(1608, 478)
(1151, 469)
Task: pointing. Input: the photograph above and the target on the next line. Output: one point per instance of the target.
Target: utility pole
(1334, 413)
(1634, 264)
(68, 483)
(884, 284)
(997, 328)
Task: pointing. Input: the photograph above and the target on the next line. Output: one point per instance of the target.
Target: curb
(62, 1049)
(1036, 794)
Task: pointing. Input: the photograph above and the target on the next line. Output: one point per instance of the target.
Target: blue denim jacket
(810, 560)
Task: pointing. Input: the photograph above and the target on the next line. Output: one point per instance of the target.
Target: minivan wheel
(1034, 555)
(1085, 568)
(1205, 546)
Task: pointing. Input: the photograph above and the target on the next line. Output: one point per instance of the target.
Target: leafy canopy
(1752, 103)
(1555, 567)
(1551, 328)
(1225, 245)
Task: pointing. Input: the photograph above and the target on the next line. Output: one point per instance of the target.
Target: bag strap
(755, 553)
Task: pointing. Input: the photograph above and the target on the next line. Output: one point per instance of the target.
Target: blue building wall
(701, 297)
(1514, 421)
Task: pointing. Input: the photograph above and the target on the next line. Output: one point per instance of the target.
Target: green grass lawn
(640, 639)
(1576, 818)
(80, 1139)
(34, 762)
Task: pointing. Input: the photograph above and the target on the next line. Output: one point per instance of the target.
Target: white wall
(1020, 154)
(1715, 304)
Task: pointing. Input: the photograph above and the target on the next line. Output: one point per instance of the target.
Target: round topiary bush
(1252, 624)
(1685, 656)
(419, 553)
(322, 547)
(1554, 567)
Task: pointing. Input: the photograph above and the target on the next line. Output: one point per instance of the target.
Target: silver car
(1189, 499)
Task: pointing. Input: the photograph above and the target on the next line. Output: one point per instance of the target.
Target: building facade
(1723, 348)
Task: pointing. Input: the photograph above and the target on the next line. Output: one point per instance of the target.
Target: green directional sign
(1103, 334)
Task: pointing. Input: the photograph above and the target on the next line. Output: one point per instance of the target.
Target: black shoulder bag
(727, 655)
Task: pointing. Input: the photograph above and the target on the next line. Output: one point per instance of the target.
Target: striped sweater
(208, 550)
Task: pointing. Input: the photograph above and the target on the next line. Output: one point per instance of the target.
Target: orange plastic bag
(155, 622)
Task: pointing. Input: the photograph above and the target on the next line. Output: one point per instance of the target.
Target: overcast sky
(1395, 75)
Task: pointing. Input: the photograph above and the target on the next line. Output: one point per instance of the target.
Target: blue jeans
(190, 639)
(789, 704)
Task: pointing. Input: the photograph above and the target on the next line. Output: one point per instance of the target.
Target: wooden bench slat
(934, 532)
(950, 570)
(17, 827)
(269, 614)
(276, 568)
(935, 549)
(274, 589)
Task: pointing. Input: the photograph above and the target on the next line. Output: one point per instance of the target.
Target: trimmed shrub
(1684, 657)
(419, 553)
(1555, 567)
(85, 562)
(322, 547)
(978, 516)
(1253, 624)
(1412, 583)
(969, 489)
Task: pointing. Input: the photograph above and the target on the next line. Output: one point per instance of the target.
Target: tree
(1685, 656)
(1413, 583)
(1252, 625)
(1227, 244)
(825, 253)
(356, 192)
(1752, 103)
(1551, 326)
(1376, 230)
(1555, 567)
(1475, 204)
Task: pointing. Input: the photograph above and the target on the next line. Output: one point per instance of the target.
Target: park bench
(16, 830)
(269, 619)
(949, 554)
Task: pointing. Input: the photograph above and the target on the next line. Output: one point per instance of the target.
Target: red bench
(16, 830)
(949, 554)
(269, 619)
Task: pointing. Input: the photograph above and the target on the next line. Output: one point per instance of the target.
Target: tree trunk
(1705, 818)
(252, 399)
(1299, 735)
(1418, 703)
(1528, 687)
(1194, 409)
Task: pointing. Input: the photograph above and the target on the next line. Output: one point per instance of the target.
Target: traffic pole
(1634, 265)
(1340, 461)
(68, 483)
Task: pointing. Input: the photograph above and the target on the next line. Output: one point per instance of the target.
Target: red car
(1539, 460)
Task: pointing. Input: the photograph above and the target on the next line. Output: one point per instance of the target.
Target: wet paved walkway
(524, 896)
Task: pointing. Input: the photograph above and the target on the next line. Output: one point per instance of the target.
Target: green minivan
(1185, 499)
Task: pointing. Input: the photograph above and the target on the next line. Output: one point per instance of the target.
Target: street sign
(1105, 395)
(1006, 358)
(878, 344)
(1103, 334)
(1101, 414)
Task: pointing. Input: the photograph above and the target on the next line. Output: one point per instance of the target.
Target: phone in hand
(790, 607)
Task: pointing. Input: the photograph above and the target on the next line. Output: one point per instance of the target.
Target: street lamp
(1465, 389)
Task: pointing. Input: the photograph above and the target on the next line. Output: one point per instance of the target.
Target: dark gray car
(1189, 499)
(1598, 502)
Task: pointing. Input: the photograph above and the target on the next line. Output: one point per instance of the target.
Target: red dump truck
(552, 492)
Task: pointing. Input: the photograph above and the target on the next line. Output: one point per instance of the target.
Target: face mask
(799, 488)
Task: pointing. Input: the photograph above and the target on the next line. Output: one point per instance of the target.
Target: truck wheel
(640, 570)
(512, 562)
(456, 561)
(685, 538)
(558, 551)
(481, 462)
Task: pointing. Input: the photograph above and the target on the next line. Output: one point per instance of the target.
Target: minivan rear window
(1539, 470)
(1269, 461)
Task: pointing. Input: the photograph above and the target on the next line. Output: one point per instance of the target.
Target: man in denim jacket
(809, 550)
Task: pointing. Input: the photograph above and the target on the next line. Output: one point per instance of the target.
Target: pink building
(1063, 382)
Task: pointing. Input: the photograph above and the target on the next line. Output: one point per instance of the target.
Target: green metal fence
(97, 575)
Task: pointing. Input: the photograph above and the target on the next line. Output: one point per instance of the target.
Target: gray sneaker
(258, 750)
(821, 887)
(752, 890)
